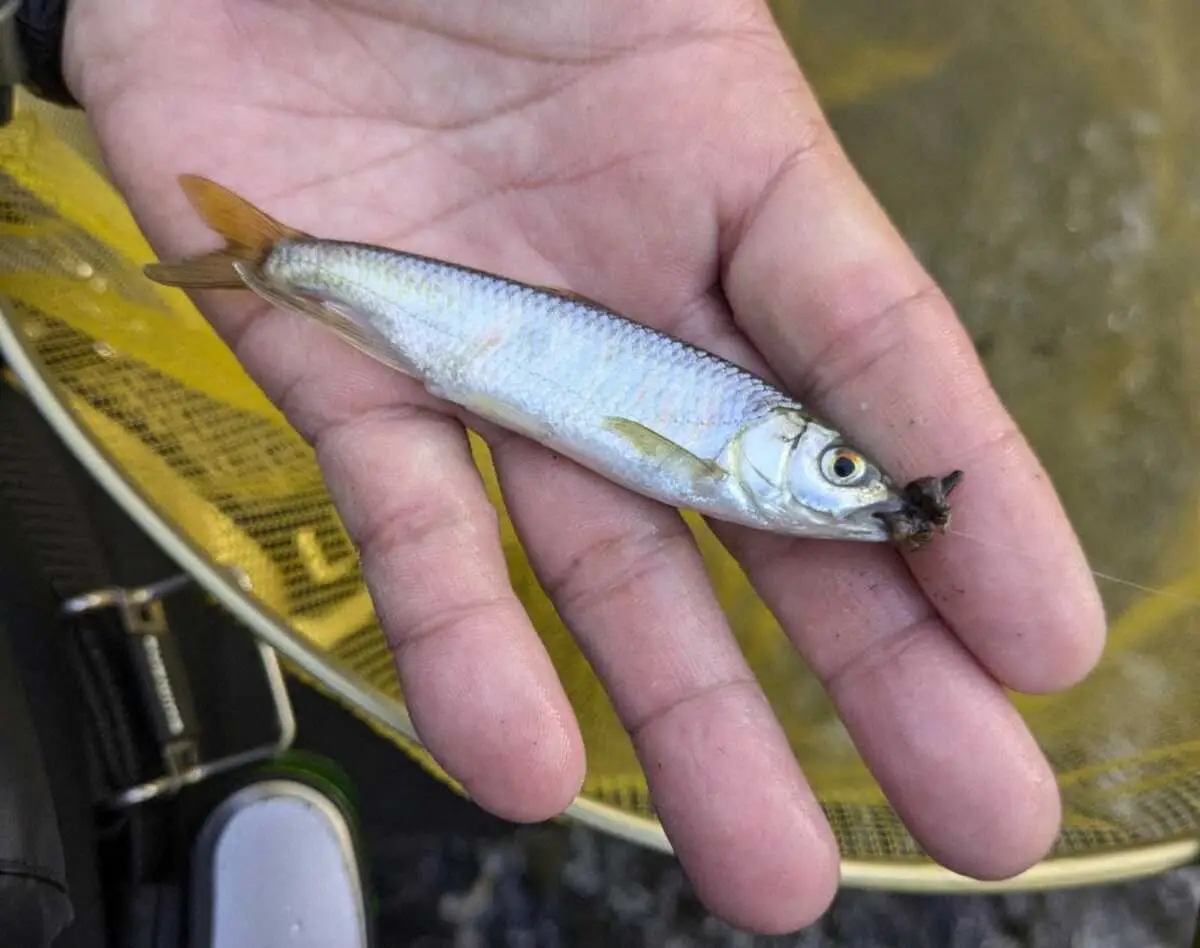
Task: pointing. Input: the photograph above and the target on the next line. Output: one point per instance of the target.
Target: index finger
(828, 290)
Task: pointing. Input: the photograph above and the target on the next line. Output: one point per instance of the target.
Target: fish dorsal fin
(570, 295)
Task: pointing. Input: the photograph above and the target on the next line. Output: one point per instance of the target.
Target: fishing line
(1108, 577)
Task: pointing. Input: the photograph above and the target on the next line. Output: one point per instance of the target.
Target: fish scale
(562, 362)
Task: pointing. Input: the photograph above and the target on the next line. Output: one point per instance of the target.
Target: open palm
(668, 160)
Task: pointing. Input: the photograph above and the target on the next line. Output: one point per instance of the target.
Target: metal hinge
(162, 674)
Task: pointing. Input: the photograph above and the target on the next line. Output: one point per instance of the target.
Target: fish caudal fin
(249, 236)
(214, 270)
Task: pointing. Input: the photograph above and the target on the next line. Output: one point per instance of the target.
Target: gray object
(275, 864)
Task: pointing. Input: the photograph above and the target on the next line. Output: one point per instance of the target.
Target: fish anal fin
(249, 235)
(337, 320)
(361, 337)
(652, 445)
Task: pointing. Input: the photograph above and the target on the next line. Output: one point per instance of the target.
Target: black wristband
(40, 26)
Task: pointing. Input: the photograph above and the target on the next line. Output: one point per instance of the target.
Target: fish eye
(843, 467)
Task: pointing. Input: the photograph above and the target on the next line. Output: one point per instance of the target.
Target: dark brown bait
(926, 511)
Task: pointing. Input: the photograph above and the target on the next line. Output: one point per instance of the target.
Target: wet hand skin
(641, 155)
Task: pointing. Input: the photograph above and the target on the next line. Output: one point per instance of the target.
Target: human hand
(669, 161)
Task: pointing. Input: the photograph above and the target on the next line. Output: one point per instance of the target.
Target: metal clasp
(161, 669)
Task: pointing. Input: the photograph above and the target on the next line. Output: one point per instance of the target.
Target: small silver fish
(647, 411)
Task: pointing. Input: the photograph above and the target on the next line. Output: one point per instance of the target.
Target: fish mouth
(921, 510)
(883, 509)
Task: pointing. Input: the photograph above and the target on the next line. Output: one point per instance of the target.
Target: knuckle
(611, 566)
(868, 342)
(871, 656)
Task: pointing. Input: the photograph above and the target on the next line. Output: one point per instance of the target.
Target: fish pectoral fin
(652, 445)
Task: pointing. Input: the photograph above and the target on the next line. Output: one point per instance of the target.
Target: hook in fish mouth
(888, 508)
(923, 510)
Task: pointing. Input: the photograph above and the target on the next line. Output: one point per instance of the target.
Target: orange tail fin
(249, 234)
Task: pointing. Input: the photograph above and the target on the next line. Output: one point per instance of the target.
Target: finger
(629, 582)
(483, 694)
(913, 699)
(827, 289)
(950, 752)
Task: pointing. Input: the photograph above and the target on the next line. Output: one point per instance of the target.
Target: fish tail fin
(215, 271)
(249, 236)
